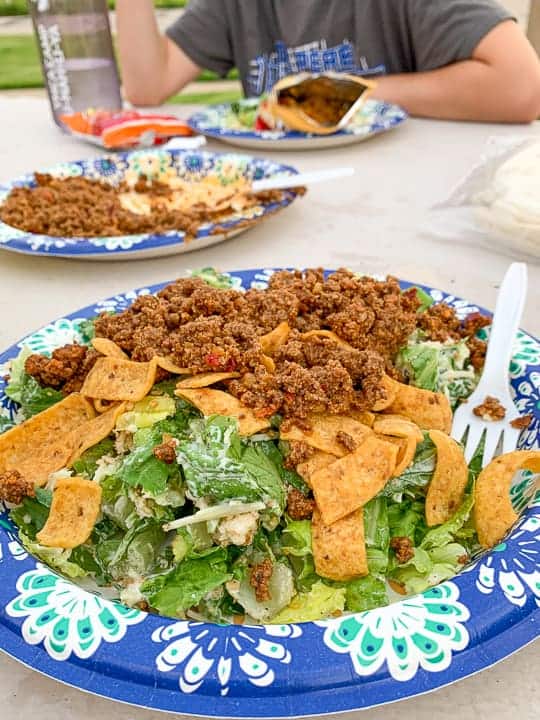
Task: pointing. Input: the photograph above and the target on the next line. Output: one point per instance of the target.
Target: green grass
(206, 98)
(18, 7)
(19, 63)
(20, 68)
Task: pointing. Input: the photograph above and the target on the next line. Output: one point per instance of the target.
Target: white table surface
(369, 223)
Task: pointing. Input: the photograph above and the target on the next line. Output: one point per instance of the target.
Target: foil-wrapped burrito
(320, 104)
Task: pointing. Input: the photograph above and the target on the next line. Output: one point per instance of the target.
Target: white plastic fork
(494, 380)
(281, 182)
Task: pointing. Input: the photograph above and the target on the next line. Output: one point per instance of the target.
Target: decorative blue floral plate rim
(374, 117)
(158, 164)
(415, 646)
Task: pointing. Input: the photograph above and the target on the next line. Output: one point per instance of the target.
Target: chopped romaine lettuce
(87, 330)
(56, 558)
(214, 278)
(31, 515)
(26, 391)
(320, 602)
(187, 584)
(138, 553)
(88, 462)
(6, 423)
(438, 557)
(426, 301)
(218, 468)
(376, 530)
(280, 588)
(147, 412)
(365, 593)
(415, 479)
(439, 367)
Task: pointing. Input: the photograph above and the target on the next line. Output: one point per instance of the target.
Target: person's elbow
(150, 95)
(526, 106)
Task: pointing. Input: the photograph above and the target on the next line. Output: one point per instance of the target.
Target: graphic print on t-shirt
(268, 68)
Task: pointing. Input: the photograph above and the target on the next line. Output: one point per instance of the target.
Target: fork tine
(459, 426)
(473, 440)
(493, 437)
(510, 440)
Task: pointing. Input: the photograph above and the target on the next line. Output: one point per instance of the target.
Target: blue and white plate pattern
(373, 118)
(357, 661)
(159, 165)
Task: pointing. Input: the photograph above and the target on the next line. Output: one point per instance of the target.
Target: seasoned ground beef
(441, 323)
(204, 329)
(14, 488)
(522, 423)
(367, 313)
(403, 549)
(490, 409)
(81, 207)
(166, 452)
(298, 453)
(65, 370)
(348, 442)
(259, 579)
(299, 507)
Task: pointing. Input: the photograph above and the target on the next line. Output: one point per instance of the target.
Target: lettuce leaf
(320, 602)
(414, 480)
(365, 593)
(187, 584)
(87, 330)
(438, 557)
(31, 515)
(147, 412)
(280, 587)
(137, 554)
(88, 462)
(376, 528)
(439, 367)
(26, 391)
(141, 468)
(56, 558)
(214, 278)
(217, 467)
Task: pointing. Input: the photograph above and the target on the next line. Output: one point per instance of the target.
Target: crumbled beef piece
(463, 559)
(478, 349)
(490, 409)
(473, 323)
(269, 308)
(440, 323)
(382, 317)
(299, 507)
(299, 452)
(65, 370)
(166, 452)
(258, 390)
(259, 579)
(522, 423)
(14, 487)
(348, 442)
(403, 549)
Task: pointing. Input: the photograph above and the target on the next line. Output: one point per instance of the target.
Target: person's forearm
(141, 47)
(153, 68)
(469, 90)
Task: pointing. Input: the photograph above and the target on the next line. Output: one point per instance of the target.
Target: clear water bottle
(77, 55)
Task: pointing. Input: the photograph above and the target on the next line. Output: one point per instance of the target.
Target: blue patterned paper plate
(159, 165)
(411, 647)
(373, 118)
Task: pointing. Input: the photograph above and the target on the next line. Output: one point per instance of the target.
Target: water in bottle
(77, 55)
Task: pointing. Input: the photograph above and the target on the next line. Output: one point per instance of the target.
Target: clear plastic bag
(497, 205)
